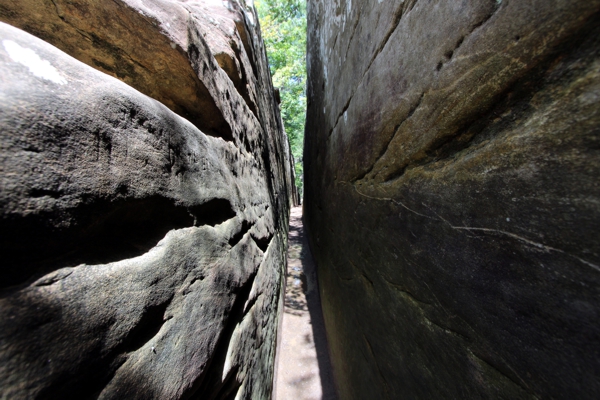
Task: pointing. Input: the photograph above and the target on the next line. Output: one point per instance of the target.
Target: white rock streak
(36, 65)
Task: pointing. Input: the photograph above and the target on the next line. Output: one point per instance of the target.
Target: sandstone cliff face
(144, 218)
(452, 196)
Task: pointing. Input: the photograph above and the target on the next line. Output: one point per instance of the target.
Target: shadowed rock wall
(143, 219)
(452, 155)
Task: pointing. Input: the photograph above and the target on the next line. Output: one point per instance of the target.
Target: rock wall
(143, 215)
(452, 157)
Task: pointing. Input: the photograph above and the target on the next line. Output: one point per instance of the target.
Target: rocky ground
(303, 368)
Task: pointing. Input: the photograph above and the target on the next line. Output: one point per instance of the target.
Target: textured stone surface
(142, 256)
(149, 45)
(452, 158)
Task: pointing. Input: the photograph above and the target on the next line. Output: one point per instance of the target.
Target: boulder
(452, 155)
(143, 219)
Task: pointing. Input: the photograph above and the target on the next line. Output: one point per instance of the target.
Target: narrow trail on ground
(303, 369)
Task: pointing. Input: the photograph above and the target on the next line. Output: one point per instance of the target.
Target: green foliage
(283, 24)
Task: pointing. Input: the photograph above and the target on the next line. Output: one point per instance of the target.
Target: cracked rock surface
(143, 240)
(452, 197)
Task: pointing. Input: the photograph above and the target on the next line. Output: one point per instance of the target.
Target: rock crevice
(144, 202)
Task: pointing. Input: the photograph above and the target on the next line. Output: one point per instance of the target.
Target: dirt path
(303, 370)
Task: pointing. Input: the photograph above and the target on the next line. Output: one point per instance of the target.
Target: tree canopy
(283, 24)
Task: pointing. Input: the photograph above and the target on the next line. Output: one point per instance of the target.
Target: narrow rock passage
(303, 369)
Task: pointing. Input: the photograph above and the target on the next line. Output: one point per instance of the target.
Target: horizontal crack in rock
(105, 231)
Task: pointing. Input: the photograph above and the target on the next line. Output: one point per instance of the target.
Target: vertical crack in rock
(394, 25)
(242, 85)
(230, 386)
(450, 53)
(211, 385)
(89, 381)
(372, 355)
(352, 34)
(248, 44)
(384, 150)
(515, 379)
(148, 326)
(502, 111)
(387, 145)
(401, 11)
(235, 239)
(222, 129)
(263, 242)
(337, 120)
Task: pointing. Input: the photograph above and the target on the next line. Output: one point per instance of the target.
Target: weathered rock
(142, 256)
(452, 158)
(149, 45)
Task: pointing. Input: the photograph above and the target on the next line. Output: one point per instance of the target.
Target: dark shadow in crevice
(247, 43)
(150, 323)
(242, 85)
(98, 231)
(230, 386)
(87, 381)
(235, 239)
(263, 242)
(197, 53)
(211, 385)
(212, 212)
